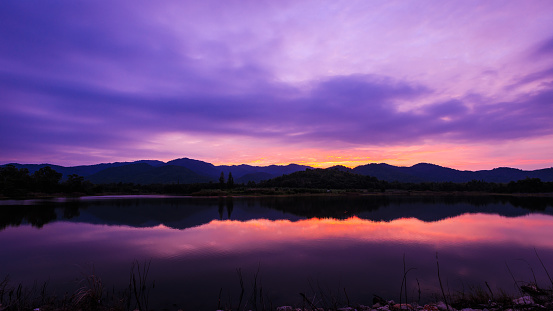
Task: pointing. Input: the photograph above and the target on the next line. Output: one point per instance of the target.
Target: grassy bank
(92, 294)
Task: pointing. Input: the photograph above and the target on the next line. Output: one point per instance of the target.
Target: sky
(463, 84)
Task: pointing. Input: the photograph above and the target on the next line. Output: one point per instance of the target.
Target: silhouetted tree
(528, 185)
(13, 181)
(46, 179)
(230, 181)
(74, 183)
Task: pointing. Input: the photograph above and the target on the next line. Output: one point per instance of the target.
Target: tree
(230, 181)
(74, 183)
(46, 179)
(222, 180)
(13, 181)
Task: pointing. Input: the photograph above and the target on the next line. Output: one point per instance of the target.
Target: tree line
(16, 183)
(337, 179)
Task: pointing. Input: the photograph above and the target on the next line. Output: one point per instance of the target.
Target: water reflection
(186, 212)
(196, 245)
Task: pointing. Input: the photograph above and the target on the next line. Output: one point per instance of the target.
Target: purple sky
(464, 84)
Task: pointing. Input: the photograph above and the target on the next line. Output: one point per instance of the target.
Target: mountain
(278, 170)
(507, 173)
(387, 172)
(341, 168)
(143, 173)
(255, 177)
(182, 170)
(241, 173)
(82, 170)
(197, 166)
(424, 172)
(185, 170)
(323, 178)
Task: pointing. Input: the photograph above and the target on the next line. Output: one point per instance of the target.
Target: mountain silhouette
(143, 173)
(424, 172)
(185, 170)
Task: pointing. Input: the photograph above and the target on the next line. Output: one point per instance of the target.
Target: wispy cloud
(84, 81)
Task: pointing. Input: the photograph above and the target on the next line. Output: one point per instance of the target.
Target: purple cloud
(545, 48)
(88, 76)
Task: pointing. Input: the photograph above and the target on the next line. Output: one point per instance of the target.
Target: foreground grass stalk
(440, 280)
(544, 268)
(239, 271)
(142, 290)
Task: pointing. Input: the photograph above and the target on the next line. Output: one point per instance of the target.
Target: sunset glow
(238, 236)
(462, 84)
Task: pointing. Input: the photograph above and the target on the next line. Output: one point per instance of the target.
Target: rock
(403, 306)
(441, 306)
(378, 300)
(525, 300)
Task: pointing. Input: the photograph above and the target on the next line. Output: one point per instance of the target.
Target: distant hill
(255, 177)
(185, 170)
(143, 173)
(241, 173)
(502, 174)
(386, 172)
(323, 178)
(83, 170)
(424, 172)
(197, 166)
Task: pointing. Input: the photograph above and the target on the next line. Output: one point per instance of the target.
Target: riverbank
(88, 299)
(93, 294)
(281, 192)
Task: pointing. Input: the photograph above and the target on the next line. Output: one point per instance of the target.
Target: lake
(333, 249)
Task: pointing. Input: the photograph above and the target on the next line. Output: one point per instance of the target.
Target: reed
(138, 285)
(89, 295)
(92, 295)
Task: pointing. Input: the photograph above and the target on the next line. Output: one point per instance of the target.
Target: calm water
(330, 248)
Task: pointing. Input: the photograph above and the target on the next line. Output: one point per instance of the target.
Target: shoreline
(94, 296)
(283, 192)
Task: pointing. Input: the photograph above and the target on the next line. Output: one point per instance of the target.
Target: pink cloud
(325, 77)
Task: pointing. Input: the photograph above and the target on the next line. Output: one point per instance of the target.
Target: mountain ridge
(186, 170)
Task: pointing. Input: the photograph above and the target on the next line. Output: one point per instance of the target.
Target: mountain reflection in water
(185, 212)
(315, 245)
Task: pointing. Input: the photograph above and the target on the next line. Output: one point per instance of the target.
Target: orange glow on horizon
(526, 154)
(472, 157)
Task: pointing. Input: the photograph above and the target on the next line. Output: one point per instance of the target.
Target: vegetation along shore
(46, 182)
(93, 294)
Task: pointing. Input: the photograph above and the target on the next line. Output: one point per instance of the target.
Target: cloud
(85, 76)
(358, 109)
(545, 48)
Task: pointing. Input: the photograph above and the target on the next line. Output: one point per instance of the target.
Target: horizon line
(310, 165)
